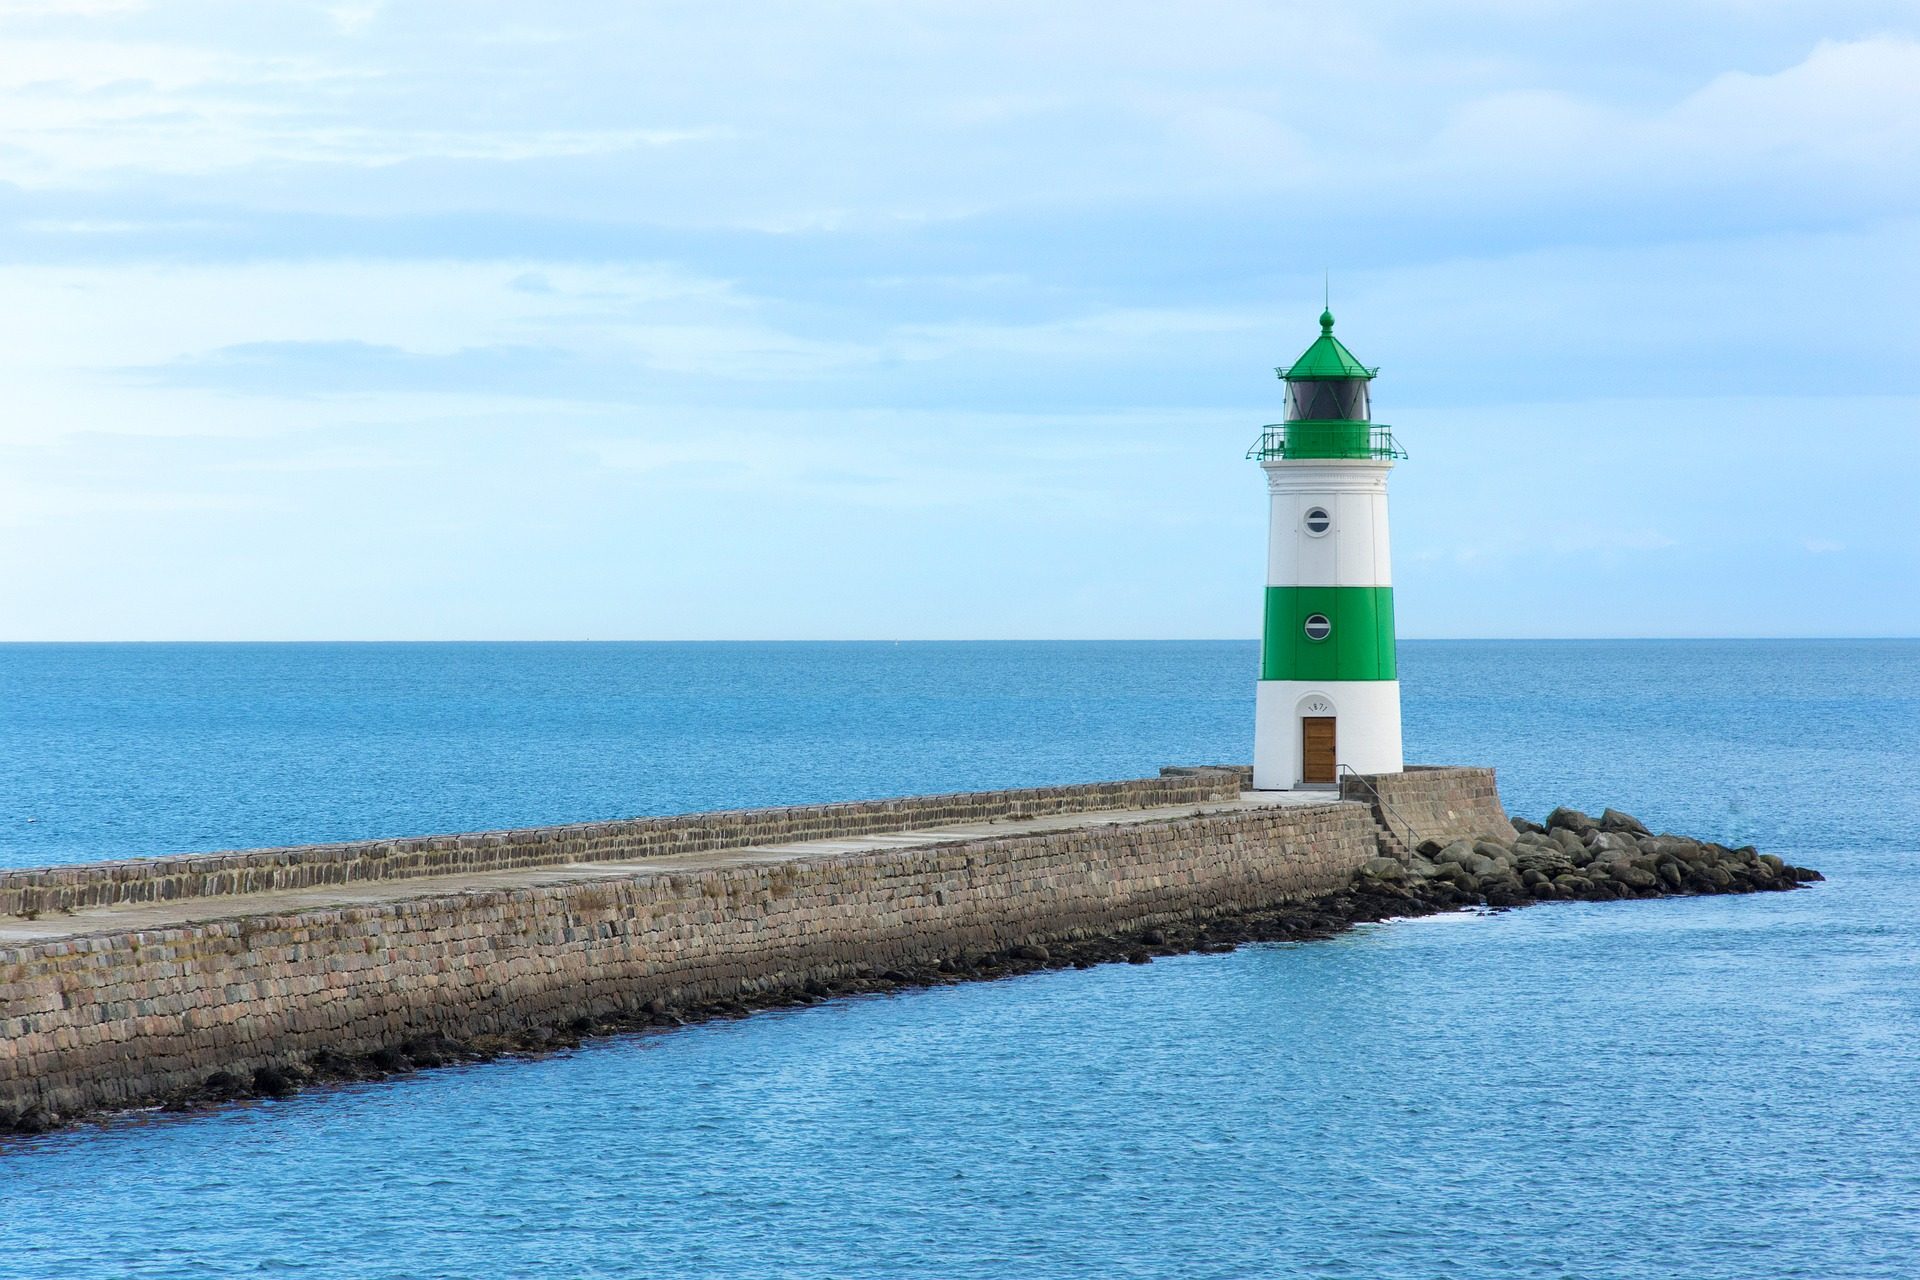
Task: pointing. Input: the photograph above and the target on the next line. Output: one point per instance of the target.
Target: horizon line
(583, 640)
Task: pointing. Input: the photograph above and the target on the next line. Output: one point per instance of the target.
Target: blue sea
(1701, 1088)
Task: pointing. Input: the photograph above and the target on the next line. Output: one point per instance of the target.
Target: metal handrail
(1385, 808)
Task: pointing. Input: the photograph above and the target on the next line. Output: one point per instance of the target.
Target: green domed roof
(1328, 357)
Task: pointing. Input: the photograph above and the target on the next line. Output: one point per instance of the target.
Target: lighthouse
(1329, 692)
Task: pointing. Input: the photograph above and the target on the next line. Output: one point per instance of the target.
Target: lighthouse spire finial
(1326, 302)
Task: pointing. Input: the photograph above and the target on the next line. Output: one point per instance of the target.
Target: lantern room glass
(1328, 399)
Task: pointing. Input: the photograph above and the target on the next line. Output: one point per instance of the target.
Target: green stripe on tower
(1360, 646)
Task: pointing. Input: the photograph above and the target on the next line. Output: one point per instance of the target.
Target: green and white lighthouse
(1329, 693)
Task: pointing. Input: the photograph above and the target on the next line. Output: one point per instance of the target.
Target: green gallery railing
(1325, 440)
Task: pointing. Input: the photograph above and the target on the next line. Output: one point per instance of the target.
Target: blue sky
(903, 320)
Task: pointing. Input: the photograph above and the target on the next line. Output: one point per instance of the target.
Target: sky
(905, 320)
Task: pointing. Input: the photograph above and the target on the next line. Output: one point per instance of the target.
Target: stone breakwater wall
(119, 1019)
(1428, 802)
(142, 880)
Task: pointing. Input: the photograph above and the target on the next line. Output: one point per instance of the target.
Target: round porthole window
(1319, 627)
(1318, 521)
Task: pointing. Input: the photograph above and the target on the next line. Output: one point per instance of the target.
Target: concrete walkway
(164, 915)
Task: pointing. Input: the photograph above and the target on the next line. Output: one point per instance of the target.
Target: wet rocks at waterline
(1574, 856)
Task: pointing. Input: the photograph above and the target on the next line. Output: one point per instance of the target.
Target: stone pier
(126, 983)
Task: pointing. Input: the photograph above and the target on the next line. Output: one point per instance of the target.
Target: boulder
(224, 1086)
(36, 1119)
(1626, 823)
(1565, 819)
(1567, 840)
(1419, 867)
(1525, 827)
(1546, 864)
(1460, 854)
(1383, 869)
(272, 1082)
(390, 1059)
(1635, 877)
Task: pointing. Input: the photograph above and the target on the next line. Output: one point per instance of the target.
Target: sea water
(1711, 1087)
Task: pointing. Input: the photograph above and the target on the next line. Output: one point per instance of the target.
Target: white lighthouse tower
(1329, 693)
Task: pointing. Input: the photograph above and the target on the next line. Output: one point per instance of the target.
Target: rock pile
(1573, 856)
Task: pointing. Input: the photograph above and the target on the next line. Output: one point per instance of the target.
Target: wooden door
(1316, 749)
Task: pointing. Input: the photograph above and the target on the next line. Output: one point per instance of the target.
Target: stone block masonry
(112, 1016)
(134, 880)
(1430, 803)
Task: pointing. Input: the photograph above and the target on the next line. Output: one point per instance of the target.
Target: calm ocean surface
(1723, 1087)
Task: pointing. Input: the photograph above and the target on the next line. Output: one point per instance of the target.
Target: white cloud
(1098, 333)
(112, 317)
(868, 116)
(68, 8)
(1848, 113)
(357, 267)
(353, 19)
(66, 72)
(77, 112)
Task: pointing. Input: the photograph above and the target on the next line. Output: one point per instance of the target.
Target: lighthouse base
(1306, 731)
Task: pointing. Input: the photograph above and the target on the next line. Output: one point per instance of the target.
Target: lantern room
(1329, 411)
